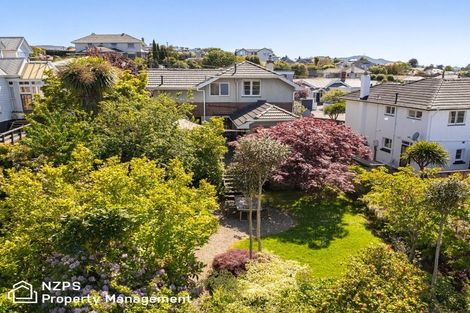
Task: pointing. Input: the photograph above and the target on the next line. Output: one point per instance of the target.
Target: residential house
(240, 92)
(351, 71)
(393, 116)
(263, 54)
(20, 79)
(121, 43)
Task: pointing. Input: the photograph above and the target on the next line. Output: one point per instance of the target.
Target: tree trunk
(250, 223)
(412, 254)
(258, 216)
(438, 250)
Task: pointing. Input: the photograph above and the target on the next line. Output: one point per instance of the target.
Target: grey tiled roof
(11, 66)
(192, 78)
(107, 38)
(10, 43)
(178, 78)
(260, 112)
(431, 93)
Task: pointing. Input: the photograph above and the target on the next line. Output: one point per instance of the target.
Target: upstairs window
(220, 89)
(114, 45)
(130, 45)
(456, 117)
(389, 110)
(251, 88)
(415, 114)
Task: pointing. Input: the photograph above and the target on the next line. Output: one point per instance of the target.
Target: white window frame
(385, 147)
(462, 155)
(251, 88)
(130, 45)
(220, 89)
(415, 115)
(455, 122)
(392, 110)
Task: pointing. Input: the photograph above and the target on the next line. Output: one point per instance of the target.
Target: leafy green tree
(88, 78)
(333, 96)
(154, 55)
(426, 153)
(378, 69)
(253, 59)
(119, 225)
(132, 128)
(335, 109)
(218, 58)
(258, 157)
(448, 68)
(378, 280)
(399, 198)
(446, 197)
(300, 70)
(281, 65)
(397, 68)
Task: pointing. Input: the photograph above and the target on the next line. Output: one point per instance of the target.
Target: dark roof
(177, 79)
(430, 93)
(260, 112)
(107, 38)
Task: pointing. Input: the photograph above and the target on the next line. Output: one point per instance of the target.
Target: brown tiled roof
(260, 112)
(431, 93)
(107, 38)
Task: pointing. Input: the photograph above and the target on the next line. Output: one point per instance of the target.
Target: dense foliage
(321, 152)
(111, 221)
(218, 58)
(233, 261)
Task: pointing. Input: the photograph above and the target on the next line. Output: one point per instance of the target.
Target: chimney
(343, 76)
(365, 86)
(270, 64)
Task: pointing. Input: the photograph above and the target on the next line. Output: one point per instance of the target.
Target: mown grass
(325, 237)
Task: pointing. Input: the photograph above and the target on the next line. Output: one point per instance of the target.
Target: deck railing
(13, 135)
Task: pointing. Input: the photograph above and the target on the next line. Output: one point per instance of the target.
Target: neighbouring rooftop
(107, 38)
(430, 93)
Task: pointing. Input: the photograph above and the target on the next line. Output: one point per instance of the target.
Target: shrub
(373, 77)
(233, 261)
(380, 77)
(390, 78)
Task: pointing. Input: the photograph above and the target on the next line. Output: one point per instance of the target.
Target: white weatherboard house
(394, 116)
(246, 94)
(120, 43)
(20, 79)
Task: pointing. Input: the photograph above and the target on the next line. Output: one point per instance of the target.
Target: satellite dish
(415, 136)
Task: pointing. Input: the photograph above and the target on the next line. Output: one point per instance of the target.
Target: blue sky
(432, 31)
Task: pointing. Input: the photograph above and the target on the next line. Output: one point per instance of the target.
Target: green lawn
(325, 237)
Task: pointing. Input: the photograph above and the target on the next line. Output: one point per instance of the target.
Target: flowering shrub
(234, 261)
(117, 228)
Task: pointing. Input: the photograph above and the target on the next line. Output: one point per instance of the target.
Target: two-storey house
(120, 43)
(236, 93)
(394, 116)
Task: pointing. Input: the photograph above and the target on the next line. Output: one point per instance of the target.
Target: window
(27, 101)
(130, 45)
(386, 145)
(220, 89)
(90, 44)
(389, 110)
(456, 117)
(459, 156)
(414, 114)
(251, 88)
(114, 45)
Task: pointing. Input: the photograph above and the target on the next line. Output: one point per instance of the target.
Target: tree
(257, 157)
(301, 94)
(154, 56)
(300, 70)
(88, 78)
(218, 58)
(448, 68)
(378, 69)
(399, 198)
(397, 68)
(321, 153)
(445, 197)
(425, 153)
(413, 62)
(333, 96)
(334, 110)
(281, 65)
(378, 280)
(253, 59)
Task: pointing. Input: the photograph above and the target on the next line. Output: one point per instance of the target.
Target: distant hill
(372, 60)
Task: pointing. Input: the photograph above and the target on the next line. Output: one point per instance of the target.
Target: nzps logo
(23, 292)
